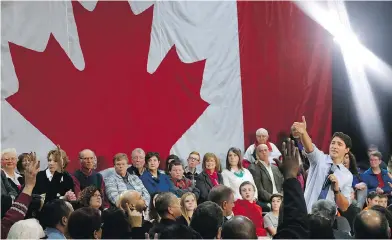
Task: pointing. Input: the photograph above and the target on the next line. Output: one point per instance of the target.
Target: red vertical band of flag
(285, 71)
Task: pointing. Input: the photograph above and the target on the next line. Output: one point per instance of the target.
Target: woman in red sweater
(247, 207)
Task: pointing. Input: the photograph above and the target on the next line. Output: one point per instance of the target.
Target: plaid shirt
(115, 185)
(183, 183)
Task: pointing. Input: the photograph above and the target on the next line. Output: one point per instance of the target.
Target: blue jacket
(160, 184)
(371, 180)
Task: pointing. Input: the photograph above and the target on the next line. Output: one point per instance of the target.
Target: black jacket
(159, 227)
(204, 184)
(54, 188)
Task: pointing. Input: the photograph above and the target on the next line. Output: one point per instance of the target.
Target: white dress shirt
(320, 165)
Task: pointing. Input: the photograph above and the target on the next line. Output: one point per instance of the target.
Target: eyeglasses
(193, 159)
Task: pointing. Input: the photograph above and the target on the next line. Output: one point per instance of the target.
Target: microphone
(327, 181)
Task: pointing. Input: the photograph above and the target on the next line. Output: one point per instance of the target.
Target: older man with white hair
(138, 162)
(262, 138)
(8, 165)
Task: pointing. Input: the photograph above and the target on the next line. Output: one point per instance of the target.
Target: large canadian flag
(166, 76)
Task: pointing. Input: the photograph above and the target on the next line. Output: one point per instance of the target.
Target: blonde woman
(210, 177)
(188, 205)
(235, 174)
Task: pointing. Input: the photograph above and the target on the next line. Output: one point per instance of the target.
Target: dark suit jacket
(204, 184)
(263, 180)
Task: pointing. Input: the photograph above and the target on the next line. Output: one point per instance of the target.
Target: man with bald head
(239, 227)
(370, 224)
(86, 176)
(267, 177)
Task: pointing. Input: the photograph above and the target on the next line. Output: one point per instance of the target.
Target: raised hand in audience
(31, 173)
(289, 166)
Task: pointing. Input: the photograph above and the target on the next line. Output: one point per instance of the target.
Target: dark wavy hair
(152, 213)
(19, 164)
(87, 194)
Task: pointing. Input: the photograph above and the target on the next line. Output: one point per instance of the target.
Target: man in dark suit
(267, 177)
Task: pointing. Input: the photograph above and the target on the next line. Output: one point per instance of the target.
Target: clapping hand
(289, 166)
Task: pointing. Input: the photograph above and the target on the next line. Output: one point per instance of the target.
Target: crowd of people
(295, 192)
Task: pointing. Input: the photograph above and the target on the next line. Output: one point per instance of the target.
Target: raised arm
(300, 127)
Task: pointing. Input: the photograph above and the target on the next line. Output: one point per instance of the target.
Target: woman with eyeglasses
(91, 197)
(234, 174)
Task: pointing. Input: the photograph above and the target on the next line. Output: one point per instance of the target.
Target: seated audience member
(262, 138)
(19, 207)
(385, 212)
(8, 167)
(191, 170)
(271, 219)
(376, 178)
(181, 184)
(54, 181)
(339, 184)
(115, 224)
(235, 174)
(91, 196)
(121, 181)
(132, 203)
(153, 179)
(85, 223)
(383, 200)
(188, 205)
(207, 220)
(358, 185)
(372, 199)
(138, 162)
(239, 227)
(372, 149)
(23, 161)
(247, 206)
(179, 231)
(210, 177)
(8, 193)
(170, 159)
(267, 177)
(370, 224)
(86, 176)
(224, 197)
(319, 228)
(26, 229)
(168, 208)
(153, 216)
(54, 218)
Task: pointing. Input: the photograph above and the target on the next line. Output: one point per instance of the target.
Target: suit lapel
(264, 169)
(208, 180)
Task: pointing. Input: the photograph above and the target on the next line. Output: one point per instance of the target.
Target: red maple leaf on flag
(114, 104)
